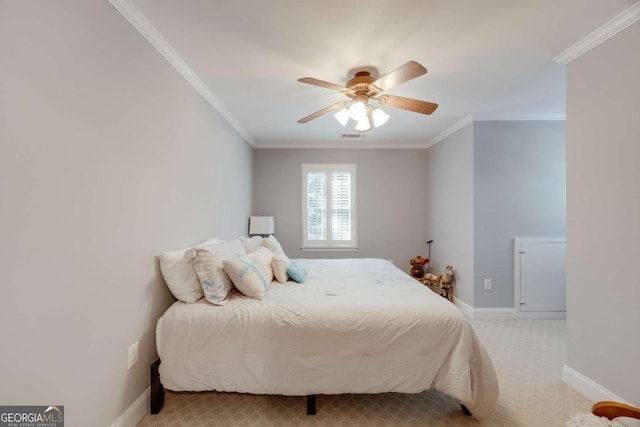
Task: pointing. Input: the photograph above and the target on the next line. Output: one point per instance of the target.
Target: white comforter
(354, 326)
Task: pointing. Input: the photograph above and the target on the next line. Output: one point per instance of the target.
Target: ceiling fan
(363, 88)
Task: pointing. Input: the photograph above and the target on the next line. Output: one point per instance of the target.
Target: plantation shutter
(328, 206)
(317, 206)
(341, 206)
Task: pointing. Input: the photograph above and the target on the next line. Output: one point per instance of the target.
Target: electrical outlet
(487, 284)
(133, 354)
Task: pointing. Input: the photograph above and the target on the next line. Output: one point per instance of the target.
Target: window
(329, 206)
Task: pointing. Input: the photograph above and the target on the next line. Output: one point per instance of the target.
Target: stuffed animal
(417, 266)
(441, 283)
(447, 276)
(446, 283)
(433, 280)
(419, 261)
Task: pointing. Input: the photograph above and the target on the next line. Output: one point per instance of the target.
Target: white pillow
(207, 263)
(252, 243)
(273, 245)
(248, 274)
(263, 256)
(216, 288)
(280, 264)
(179, 275)
(212, 241)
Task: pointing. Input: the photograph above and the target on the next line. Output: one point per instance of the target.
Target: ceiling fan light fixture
(363, 124)
(342, 116)
(357, 110)
(364, 88)
(379, 117)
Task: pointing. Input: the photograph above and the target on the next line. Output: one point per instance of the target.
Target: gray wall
(449, 217)
(391, 211)
(603, 223)
(107, 156)
(519, 180)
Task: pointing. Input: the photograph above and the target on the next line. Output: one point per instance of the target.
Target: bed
(353, 326)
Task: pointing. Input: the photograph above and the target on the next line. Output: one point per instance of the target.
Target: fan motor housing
(361, 82)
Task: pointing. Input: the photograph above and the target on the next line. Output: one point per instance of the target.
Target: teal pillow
(297, 272)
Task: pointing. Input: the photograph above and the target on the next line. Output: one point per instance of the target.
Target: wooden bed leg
(465, 410)
(311, 404)
(157, 390)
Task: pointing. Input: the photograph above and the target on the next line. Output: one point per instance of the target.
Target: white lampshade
(363, 124)
(342, 116)
(357, 110)
(379, 117)
(261, 225)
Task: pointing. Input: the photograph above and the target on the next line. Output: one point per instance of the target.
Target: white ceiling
(483, 57)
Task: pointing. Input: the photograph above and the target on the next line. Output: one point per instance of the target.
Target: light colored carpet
(528, 356)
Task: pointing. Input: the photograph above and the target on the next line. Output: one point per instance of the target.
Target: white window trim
(329, 245)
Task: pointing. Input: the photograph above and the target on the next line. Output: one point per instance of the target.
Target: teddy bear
(417, 266)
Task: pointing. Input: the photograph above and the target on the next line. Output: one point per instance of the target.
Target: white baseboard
(134, 413)
(512, 313)
(485, 313)
(587, 387)
(465, 308)
(505, 312)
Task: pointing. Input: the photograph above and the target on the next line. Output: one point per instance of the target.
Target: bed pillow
(179, 275)
(297, 272)
(207, 263)
(252, 243)
(247, 276)
(273, 245)
(216, 288)
(212, 241)
(280, 264)
(227, 249)
(263, 256)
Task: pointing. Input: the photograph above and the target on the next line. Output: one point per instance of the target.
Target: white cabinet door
(543, 277)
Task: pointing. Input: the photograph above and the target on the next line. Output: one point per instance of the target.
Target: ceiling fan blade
(323, 111)
(414, 105)
(322, 83)
(404, 73)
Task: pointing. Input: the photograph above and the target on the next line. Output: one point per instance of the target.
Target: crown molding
(518, 117)
(468, 119)
(450, 130)
(348, 145)
(601, 34)
(138, 21)
(359, 144)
